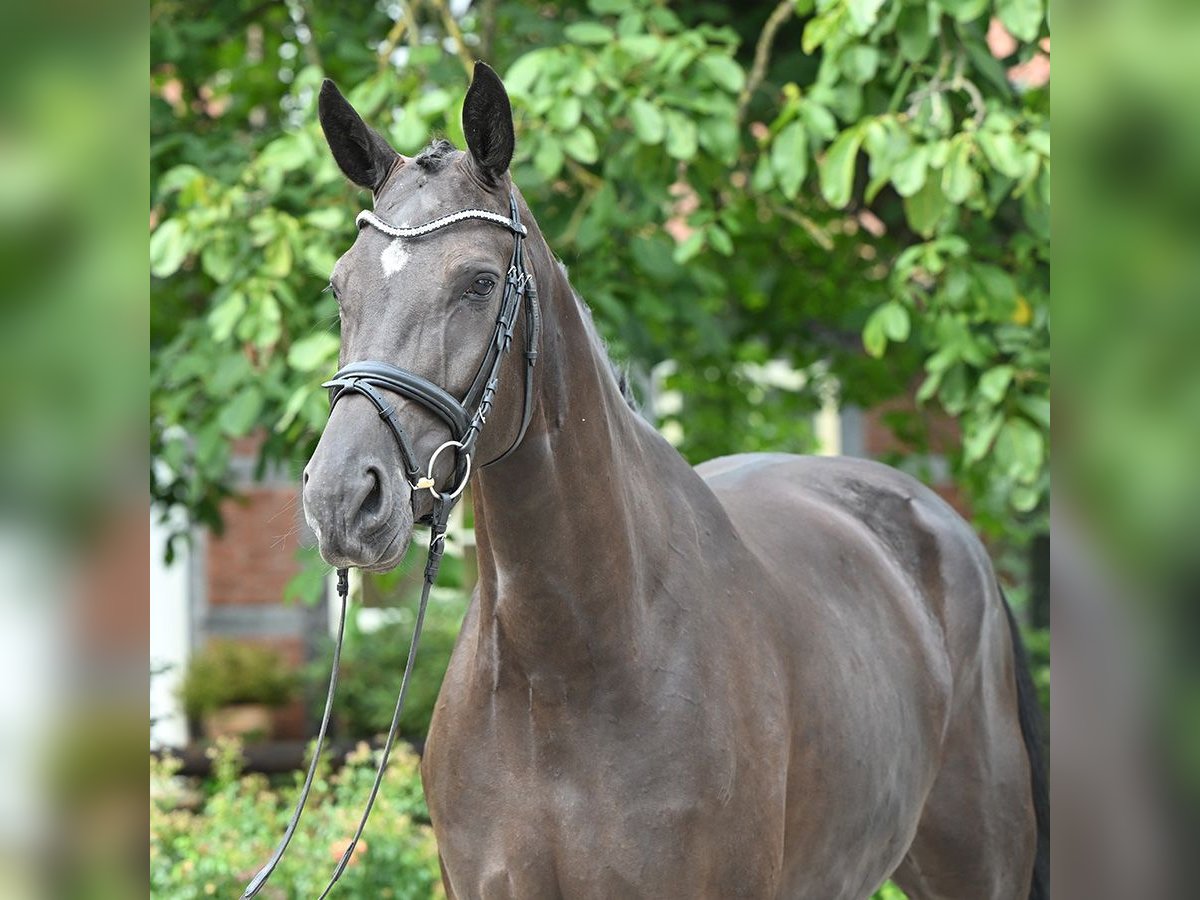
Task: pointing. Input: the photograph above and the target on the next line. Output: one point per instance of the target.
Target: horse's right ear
(361, 152)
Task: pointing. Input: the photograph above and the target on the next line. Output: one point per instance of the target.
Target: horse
(768, 676)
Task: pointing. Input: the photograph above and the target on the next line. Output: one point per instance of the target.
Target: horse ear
(488, 123)
(360, 152)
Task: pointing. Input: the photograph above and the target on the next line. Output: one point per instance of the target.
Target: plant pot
(248, 721)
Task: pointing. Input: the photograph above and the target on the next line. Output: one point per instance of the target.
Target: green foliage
(870, 210)
(373, 663)
(213, 849)
(228, 672)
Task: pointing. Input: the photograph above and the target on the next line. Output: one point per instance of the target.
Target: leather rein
(465, 420)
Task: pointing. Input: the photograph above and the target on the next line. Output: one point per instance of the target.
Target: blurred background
(815, 227)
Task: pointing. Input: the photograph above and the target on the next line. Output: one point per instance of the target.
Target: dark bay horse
(767, 676)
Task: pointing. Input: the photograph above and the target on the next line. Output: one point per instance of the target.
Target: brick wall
(253, 560)
(241, 574)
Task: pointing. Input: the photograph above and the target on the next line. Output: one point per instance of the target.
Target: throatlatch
(371, 380)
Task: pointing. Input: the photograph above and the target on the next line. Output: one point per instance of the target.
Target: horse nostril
(374, 500)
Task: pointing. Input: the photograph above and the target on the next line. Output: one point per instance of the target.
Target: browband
(366, 217)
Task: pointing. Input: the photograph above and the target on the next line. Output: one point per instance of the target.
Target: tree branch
(487, 28)
(451, 24)
(762, 55)
(393, 38)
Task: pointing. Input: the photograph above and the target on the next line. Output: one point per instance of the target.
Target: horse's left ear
(488, 124)
(360, 152)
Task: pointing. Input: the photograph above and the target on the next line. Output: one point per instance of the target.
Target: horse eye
(483, 286)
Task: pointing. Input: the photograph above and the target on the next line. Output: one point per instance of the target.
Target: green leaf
(287, 153)
(178, 178)
(294, 403)
(863, 14)
(682, 139)
(959, 178)
(1024, 498)
(820, 29)
(1038, 409)
(998, 289)
(581, 145)
(588, 33)
(896, 324)
(239, 415)
(689, 247)
(930, 385)
(1002, 152)
(1020, 450)
(169, 247)
(820, 121)
(566, 113)
(837, 168)
(859, 63)
(718, 238)
(874, 340)
(277, 258)
(217, 259)
(719, 137)
(648, 122)
(641, 46)
(924, 208)
(225, 315)
(912, 32)
(313, 352)
(978, 440)
(789, 159)
(1023, 18)
(327, 219)
(993, 383)
(910, 171)
(965, 10)
(953, 394)
(431, 102)
(548, 158)
(524, 73)
(724, 71)
(319, 259)
(763, 178)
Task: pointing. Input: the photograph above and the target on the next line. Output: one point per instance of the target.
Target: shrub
(213, 850)
(373, 665)
(229, 672)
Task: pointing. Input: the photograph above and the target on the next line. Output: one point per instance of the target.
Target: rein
(465, 420)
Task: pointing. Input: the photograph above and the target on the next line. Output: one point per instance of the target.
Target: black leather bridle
(369, 378)
(465, 420)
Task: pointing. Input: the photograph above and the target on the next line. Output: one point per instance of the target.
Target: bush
(212, 851)
(373, 665)
(229, 672)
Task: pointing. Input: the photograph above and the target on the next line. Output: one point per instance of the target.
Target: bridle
(465, 420)
(367, 378)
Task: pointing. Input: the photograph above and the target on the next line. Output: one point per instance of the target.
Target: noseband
(465, 420)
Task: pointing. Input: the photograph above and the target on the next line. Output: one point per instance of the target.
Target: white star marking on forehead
(393, 258)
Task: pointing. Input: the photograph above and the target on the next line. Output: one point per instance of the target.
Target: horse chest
(596, 808)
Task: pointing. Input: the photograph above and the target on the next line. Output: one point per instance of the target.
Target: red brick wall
(255, 557)
(250, 564)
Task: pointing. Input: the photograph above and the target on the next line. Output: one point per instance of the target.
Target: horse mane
(620, 371)
(435, 157)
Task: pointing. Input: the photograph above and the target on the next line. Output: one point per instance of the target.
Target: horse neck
(571, 524)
